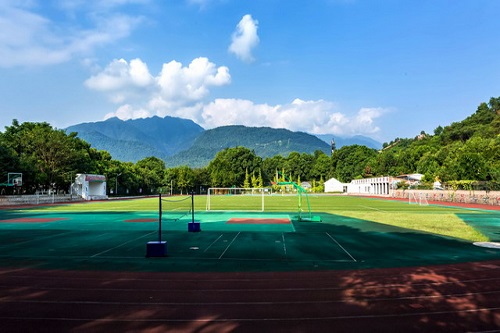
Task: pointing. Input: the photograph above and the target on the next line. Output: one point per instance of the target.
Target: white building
(333, 185)
(89, 187)
(366, 186)
(371, 186)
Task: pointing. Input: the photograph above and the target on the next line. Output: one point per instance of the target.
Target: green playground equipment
(308, 217)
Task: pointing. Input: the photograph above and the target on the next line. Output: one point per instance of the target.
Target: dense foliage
(461, 153)
(265, 142)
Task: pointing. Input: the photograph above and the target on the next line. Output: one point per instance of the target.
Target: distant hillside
(133, 140)
(348, 141)
(180, 141)
(265, 141)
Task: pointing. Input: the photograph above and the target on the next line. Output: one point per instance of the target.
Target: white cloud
(182, 91)
(316, 117)
(175, 89)
(28, 38)
(190, 83)
(119, 74)
(364, 120)
(127, 111)
(245, 38)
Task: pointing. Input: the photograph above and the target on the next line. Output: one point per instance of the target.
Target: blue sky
(384, 69)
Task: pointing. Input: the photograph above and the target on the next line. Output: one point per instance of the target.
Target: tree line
(50, 158)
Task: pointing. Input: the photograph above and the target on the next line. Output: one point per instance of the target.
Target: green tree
(46, 155)
(229, 166)
(349, 162)
(151, 172)
(246, 182)
(270, 167)
(254, 180)
(8, 161)
(321, 167)
(185, 179)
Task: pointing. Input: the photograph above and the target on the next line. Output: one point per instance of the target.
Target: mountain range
(180, 141)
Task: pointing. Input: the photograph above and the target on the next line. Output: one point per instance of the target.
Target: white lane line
(215, 241)
(485, 311)
(120, 245)
(227, 247)
(341, 247)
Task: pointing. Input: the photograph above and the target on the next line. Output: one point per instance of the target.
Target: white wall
(368, 186)
(333, 185)
(90, 187)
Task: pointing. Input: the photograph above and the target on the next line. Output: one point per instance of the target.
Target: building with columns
(366, 186)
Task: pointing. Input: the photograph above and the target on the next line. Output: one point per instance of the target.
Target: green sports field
(353, 233)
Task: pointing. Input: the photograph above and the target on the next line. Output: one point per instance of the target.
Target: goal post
(417, 198)
(235, 199)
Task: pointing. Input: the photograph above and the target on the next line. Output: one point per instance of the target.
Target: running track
(448, 298)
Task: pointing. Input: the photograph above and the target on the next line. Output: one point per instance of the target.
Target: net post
(159, 218)
(192, 206)
(193, 226)
(157, 248)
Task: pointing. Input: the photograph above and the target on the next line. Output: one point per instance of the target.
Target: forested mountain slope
(265, 141)
(133, 140)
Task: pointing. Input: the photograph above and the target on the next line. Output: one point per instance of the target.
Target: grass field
(439, 220)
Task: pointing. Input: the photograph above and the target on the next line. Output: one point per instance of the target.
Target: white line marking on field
(284, 244)
(120, 245)
(215, 241)
(341, 247)
(227, 247)
(36, 239)
(373, 208)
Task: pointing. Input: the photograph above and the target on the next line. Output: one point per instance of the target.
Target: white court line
(284, 244)
(341, 247)
(36, 239)
(227, 248)
(215, 241)
(132, 240)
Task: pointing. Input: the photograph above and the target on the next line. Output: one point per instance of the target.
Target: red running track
(448, 298)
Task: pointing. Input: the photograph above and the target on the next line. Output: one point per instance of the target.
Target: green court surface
(97, 236)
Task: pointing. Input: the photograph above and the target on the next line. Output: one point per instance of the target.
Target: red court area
(143, 220)
(247, 220)
(447, 298)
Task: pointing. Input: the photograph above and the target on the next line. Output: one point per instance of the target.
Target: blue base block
(194, 227)
(156, 249)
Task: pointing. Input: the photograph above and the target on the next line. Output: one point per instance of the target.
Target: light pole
(116, 183)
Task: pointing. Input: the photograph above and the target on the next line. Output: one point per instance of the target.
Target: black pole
(159, 220)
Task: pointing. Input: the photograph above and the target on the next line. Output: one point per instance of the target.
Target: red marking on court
(251, 220)
(143, 220)
(33, 220)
